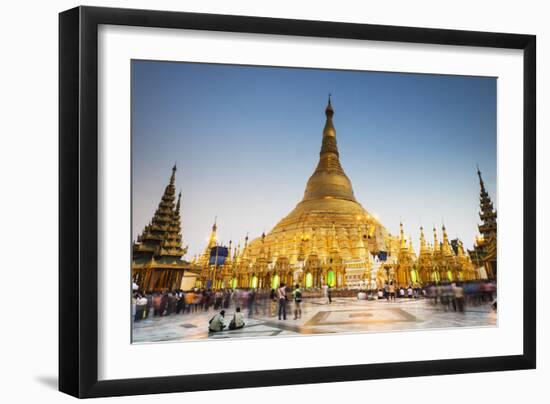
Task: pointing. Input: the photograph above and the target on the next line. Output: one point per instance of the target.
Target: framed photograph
(251, 201)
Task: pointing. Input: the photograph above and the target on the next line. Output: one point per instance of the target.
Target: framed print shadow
(271, 202)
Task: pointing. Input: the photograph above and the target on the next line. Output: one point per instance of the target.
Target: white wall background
(28, 170)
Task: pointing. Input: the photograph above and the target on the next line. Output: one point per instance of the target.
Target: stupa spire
(422, 239)
(329, 179)
(173, 176)
(436, 243)
(178, 204)
(212, 242)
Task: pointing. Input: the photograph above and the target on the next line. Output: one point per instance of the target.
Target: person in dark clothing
(281, 295)
(163, 304)
(250, 302)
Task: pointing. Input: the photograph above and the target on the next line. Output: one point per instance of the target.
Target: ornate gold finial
(329, 112)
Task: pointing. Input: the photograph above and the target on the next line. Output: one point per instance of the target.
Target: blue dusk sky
(246, 139)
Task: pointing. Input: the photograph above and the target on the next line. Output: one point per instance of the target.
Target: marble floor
(343, 315)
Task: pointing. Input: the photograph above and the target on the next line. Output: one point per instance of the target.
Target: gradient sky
(246, 140)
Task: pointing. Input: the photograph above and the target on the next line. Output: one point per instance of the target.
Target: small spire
(215, 225)
(178, 203)
(328, 110)
(173, 176)
(481, 184)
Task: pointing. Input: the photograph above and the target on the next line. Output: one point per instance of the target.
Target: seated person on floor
(238, 320)
(216, 323)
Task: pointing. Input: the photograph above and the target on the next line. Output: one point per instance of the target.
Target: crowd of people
(268, 303)
(457, 295)
(450, 295)
(276, 302)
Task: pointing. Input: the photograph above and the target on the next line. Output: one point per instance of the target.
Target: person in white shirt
(238, 320)
(216, 324)
(141, 305)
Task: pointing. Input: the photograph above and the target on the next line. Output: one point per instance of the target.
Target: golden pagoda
(327, 239)
(157, 262)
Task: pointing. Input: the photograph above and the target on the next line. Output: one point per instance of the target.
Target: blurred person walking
(250, 302)
(157, 298)
(297, 294)
(458, 292)
(281, 295)
(141, 305)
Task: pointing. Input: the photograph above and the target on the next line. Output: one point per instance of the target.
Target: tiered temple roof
(157, 255)
(487, 213)
(485, 251)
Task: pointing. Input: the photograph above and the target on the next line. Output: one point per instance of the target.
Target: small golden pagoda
(466, 268)
(405, 268)
(438, 263)
(327, 239)
(448, 268)
(157, 262)
(424, 262)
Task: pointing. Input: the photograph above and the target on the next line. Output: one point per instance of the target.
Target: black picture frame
(78, 200)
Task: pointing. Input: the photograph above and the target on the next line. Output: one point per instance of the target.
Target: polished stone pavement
(343, 315)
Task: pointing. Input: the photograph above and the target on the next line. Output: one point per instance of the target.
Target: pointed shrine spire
(422, 239)
(436, 243)
(402, 239)
(329, 112)
(178, 204)
(481, 183)
(329, 179)
(329, 126)
(173, 176)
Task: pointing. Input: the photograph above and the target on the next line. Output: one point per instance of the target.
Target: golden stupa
(328, 238)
